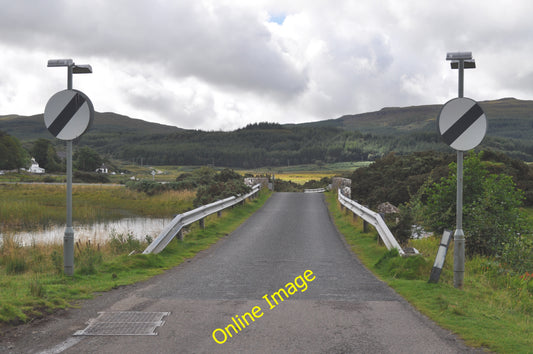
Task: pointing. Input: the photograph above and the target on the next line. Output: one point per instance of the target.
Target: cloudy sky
(219, 65)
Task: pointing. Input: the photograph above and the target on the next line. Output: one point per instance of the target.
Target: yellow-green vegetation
(327, 169)
(36, 205)
(302, 177)
(31, 280)
(493, 310)
(303, 173)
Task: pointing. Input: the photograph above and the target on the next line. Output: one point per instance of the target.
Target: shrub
(401, 224)
(314, 184)
(15, 263)
(146, 186)
(287, 186)
(57, 262)
(219, 190)
(414, 267)
(121, 243)
(491, 215)
(88, 257)
(36, 288)
(90, 177)
(227, 175)
(518, 253)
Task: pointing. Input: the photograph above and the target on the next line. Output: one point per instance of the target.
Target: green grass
(25, 206)
(492, 311)
(38, 287)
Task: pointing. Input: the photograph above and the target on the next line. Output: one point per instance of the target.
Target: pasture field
(296, 173)
(303, 173)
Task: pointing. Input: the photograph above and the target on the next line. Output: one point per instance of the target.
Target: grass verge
(492, 311)
(31, 280)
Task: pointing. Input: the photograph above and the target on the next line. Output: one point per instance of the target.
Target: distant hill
(349, 138)
(507, 117)
(29, 128)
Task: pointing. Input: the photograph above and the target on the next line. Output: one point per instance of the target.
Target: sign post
(441, 257)
(462, 125)
(67, 115)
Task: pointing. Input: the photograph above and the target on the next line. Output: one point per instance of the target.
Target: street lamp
(72, 68)
(68, 240)
(461, 61)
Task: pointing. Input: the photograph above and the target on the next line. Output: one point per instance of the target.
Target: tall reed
(25, 207)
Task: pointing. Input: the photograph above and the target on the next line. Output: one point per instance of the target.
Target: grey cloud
(224, 46)
(195, 109)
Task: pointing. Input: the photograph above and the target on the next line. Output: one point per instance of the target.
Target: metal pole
(68, 240)
(459, 237)
(461, 77)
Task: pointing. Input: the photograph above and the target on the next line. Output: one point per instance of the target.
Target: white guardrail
(316, 190)
(187, 218)
(374, 219)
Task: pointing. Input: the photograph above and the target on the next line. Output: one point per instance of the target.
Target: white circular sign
(68, 114)
(462, 123)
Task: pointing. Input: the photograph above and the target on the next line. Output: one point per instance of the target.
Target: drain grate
(124, 323)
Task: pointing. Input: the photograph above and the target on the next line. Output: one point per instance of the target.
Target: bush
(37, 288)
(146, 186)
(491, 215)
(227, 175)
(518, 253)
(287, 186)
(88, 257)
(57, 261)
(15, 264)
(219, 190)
(90, 177)
(414, 267)
(401, 224)
(314, 184)
(121, 243)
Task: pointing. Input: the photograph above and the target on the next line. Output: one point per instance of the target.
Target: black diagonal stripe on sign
(462, 124)
(66, 114)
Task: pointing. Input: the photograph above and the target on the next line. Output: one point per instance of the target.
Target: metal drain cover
(124, 323)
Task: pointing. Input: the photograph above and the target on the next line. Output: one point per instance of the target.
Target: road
(335, 306)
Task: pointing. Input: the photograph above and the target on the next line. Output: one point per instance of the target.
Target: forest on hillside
(268, 144)
(361, 137)
(271, 144)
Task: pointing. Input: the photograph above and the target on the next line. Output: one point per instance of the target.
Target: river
(97, 232)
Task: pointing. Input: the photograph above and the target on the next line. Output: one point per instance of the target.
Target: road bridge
(328, 302)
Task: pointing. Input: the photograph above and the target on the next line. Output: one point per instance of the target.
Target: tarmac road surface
(228, 299)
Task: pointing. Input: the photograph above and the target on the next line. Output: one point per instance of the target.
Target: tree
(87, 159)
(12, 155)
(45, 154)
(491, 202)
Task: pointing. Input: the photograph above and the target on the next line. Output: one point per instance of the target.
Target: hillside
(507, 117)
(348, 138)
(29, 128)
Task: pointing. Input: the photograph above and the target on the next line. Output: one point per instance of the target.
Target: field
(304, 173)
(297, 173)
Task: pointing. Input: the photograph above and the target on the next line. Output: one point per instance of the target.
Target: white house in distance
(34, 168)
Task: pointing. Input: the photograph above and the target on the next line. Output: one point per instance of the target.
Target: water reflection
(98, 232)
